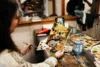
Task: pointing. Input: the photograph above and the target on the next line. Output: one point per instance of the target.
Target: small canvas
(57, 37)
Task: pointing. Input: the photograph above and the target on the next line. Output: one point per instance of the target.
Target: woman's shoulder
(6, 58)
(5, 53)
(8, 53)
(12, 56)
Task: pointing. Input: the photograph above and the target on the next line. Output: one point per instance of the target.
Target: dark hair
(8, 9)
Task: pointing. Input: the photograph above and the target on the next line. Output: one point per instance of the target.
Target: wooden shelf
(46, 20)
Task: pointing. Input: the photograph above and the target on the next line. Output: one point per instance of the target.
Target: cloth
(72, 5)
(86, 20)
(14, 59)
(2, 65)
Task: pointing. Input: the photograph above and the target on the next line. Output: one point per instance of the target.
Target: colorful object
(44, 30)
(57, 37)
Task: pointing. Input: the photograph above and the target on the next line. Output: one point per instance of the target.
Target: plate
(95, 50)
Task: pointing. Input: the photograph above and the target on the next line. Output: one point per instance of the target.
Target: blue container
(78, 47)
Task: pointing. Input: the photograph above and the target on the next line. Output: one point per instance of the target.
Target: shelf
(46, 20)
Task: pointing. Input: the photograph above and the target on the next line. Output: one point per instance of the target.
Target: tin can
(78, 47)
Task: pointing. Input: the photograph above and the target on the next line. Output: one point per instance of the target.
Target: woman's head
(8, 22)
(8, 14)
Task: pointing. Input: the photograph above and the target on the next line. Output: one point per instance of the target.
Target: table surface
(67, 60)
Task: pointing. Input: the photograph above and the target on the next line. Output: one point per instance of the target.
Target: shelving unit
(46, 20)
(33, 6)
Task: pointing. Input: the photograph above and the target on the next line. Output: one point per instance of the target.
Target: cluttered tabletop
(80, 50)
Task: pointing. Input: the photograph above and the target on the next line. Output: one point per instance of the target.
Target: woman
(10, 55)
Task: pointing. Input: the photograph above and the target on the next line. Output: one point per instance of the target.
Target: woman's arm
(17, 59)
(50, 62)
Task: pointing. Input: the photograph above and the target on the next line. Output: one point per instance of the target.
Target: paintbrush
(30, 45)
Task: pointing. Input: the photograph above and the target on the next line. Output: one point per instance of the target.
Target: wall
(58, 7)
(45, 8)
(48, 7)
(95, 31)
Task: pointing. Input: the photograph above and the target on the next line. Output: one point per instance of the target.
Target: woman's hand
(59, 54)
(26, 49)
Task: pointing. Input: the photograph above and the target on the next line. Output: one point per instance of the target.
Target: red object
(48, 48)
(44, 30)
